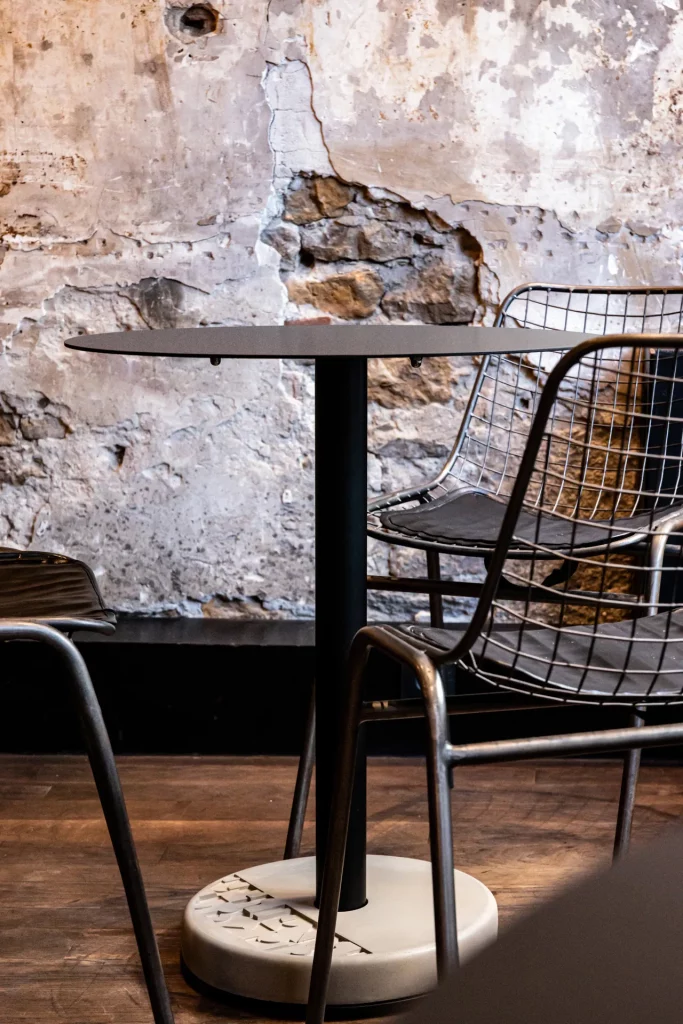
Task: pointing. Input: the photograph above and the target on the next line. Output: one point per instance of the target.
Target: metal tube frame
(501, 552)
(442, 756)
(110, 793)
(597, 741)
(506, 592)
(398, 497)
(440, 832)
(302, 786)
(627, 794)
(463, 704)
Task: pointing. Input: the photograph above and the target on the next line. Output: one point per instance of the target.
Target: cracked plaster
(139, 175)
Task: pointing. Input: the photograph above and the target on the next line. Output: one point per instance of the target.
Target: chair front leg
(340, 813)
(111, 797)
(440, 830)
(440, 820)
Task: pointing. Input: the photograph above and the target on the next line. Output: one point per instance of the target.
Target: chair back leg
(302, 786)
(627, 796)
(435, 600)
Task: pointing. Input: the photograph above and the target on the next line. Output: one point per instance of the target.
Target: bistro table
(251, 933)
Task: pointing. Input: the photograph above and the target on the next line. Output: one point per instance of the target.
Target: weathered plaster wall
(264, 161)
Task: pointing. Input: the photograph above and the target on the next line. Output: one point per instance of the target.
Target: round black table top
(304, 341)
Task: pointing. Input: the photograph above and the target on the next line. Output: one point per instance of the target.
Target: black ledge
(209, 632)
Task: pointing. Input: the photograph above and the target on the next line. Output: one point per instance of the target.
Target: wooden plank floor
(66, 954)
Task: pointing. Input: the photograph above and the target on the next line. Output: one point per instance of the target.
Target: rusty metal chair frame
(617, 654)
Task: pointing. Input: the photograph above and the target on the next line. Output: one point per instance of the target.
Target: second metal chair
(592, 644)
(459, 512)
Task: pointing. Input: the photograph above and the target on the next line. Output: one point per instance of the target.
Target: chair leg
(114, 808)
(302, 786)
(435, 600)
(440, 830)
(111, 797)
(627, 797)
(440, 822)
(336, 843)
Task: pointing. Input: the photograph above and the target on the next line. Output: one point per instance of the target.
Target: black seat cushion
(53, 589)
(623, 660)
(470, 519)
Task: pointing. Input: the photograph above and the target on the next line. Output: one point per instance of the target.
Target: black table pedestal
(252, 933)
(340, 587)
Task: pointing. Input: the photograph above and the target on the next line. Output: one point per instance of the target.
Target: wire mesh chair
(45, 597)
(460, 510)
(619, 513)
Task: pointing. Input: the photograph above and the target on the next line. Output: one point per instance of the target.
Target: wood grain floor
(66, 954)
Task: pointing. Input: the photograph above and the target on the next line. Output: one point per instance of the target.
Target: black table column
(340, 587)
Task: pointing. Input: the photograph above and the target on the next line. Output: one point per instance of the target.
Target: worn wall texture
(255, 162)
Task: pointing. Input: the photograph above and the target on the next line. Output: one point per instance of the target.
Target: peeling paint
(149, 176)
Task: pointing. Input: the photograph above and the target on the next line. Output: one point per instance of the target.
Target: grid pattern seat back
(602, 397)
(600, 641)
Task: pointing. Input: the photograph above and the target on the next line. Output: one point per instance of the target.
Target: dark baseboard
(211, 686)
(205, 633)
(169, 685)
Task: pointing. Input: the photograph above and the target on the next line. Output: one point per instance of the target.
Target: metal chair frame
(583, 308)
(426, 651)
(109, 790)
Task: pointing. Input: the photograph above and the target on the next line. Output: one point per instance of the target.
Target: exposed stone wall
(167, 164)
(360, 255)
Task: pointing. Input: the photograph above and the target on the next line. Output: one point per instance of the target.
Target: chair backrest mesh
(595, 439)
(603, 497)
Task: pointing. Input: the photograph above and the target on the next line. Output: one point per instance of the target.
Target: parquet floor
(66, 953)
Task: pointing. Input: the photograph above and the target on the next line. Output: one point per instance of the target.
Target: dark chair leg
(440, 822)
(435, 600)
(336, 844)
(302, 786)
(440, 831)
(113, 805)
(627, 797)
